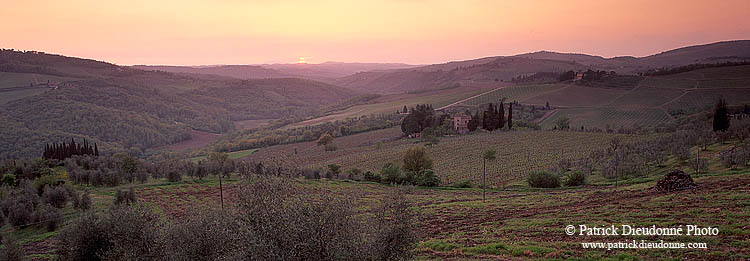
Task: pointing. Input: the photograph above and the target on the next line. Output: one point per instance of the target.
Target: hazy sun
(302, 61)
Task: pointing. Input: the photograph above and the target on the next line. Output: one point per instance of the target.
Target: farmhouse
(461, 123)
(579, 76)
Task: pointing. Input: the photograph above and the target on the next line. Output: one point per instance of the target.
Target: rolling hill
(322, 71)
(504, 68)
(125, 108)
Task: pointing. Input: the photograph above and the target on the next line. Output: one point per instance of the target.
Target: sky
(193, 32)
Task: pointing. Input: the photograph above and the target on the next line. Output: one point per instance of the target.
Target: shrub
(174, 175)
(205, 235)
(394, 228)
(369, 176)
(333, 171)
(19, 205)
(427, 178)
(330, 147)
(12, 251)
(125, 197)
(142, 174)
(391, 173)
(416, 160)
(122, 233)
(8, 179)
(56, 196)
(47, 180)
(576, 178)
(463, 184)
(48, 216)
(543, 179)
(85, 203)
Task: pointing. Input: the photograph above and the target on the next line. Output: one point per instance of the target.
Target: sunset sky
(190, 32)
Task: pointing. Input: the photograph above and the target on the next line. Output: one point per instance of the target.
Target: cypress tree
(474, 122)
(721, 116)
(501, 116)
(510, 116)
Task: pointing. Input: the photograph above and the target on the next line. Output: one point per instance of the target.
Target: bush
(272, 221)
(142, 175)
(394, 229)
(122, 233)
(330, 147)
(463, 184)
(543, 179)
(174, 175)
(48, 216)
(12, 251)
(416, 160)
(56, 196)
(19, 205)
(369, 176)
(47, 180)
(576, 178)
(85, 203)
(8, 179)
(426, 178)
(206, 235)
(125, 197)
(391, 174)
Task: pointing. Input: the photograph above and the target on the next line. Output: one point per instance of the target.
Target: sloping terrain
(505, 68)
(236, 71)
(126, 108)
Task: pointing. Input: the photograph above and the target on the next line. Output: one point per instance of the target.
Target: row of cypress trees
(64, 150)
(493, 118)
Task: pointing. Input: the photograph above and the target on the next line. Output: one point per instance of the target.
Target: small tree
(488, 155)
(333, 171)
(473, 124)
(721, 116)
(391, 173)
(563, 123)
(510, 116)
(416, 160)
(325, 139)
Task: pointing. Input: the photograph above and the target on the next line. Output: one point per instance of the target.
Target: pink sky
(194, 32)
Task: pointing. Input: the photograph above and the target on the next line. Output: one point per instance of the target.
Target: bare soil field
(199, 140)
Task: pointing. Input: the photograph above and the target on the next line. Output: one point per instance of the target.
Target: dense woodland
(125, 109)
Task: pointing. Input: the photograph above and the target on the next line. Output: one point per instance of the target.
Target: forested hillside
(129, 109)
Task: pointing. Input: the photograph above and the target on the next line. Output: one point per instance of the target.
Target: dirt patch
(199, 139)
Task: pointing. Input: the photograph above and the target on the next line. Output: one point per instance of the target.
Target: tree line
(64, 150)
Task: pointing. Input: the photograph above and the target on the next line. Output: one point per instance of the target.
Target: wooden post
(221, 193)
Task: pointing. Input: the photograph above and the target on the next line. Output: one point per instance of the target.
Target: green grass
(232, 155)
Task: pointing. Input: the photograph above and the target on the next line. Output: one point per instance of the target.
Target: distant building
(461, 123)
(579, 76)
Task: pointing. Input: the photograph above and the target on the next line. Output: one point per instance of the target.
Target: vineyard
(608, 116)
(702, 100)
(519, 93)
(645, 96)
(576, 96)
(388, 105)
(458, 159)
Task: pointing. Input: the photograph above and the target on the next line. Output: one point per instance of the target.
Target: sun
(302, 60)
